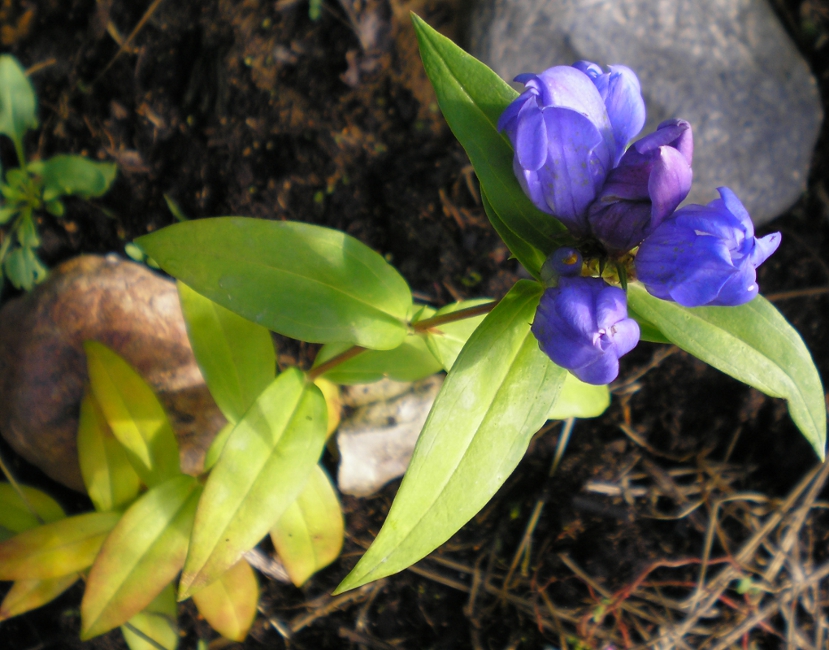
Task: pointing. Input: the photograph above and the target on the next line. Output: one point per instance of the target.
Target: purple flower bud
(564, 262)
(652, 179)
(583, 326)
(705, 255)
(565, 129)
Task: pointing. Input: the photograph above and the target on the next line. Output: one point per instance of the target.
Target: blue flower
(568, 130)
(705, 255)
(583, 326)
(651, 180)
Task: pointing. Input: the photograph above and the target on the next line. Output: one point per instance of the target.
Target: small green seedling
(37, 185)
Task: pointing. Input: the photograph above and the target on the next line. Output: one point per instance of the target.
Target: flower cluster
(570, 129)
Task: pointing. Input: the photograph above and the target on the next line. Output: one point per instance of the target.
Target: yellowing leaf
(134, 414)
(26, 595)
(56, 549)
(265, 463)
(157, 621)
(579, 400)
(309, 536)
(142, 554)
(110, 480)
(229, 603)
(331, 393)
(16, 514)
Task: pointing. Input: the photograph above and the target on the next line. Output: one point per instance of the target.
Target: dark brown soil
(248, 107)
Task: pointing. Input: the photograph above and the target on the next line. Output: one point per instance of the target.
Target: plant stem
(461, 314)
(419, 326)
(333, 362)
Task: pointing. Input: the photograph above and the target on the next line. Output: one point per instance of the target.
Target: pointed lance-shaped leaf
(141, 556)
(18, 103)
(56, 549)
(446, 341)
(229, 603)
(265, 464)
(134, 414)
(753, 343)
(26, 595)
(579, 400)
(472, 98)
(494, 399)
(309, 535)
(236, 356)
(304, 281)
(110, 480)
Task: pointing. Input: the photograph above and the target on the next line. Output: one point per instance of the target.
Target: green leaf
(494, 399)
(110, 480)
(55, 549)
(24, 269)
(236, 356)
(309, 535)
(303, 281)
(26, 595)
(16, 514)
(446, 341)
(229, 603)
(157, 621)
(18, 104)
(265, 464)
(66, 175)
(647, 330)
(134, 414)
(409, 361)
(472, 98)
(141, 556)
(579, 400)
(216, 447)
(528, 255)
(753, 343)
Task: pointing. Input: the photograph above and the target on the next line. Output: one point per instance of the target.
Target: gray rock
(377, 439)
(726, 66)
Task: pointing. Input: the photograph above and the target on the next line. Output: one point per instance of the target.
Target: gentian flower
(651, 180)
(569, 129)
(583, 326)
(705, 255)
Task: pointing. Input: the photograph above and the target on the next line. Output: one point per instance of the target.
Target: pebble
(726, 66)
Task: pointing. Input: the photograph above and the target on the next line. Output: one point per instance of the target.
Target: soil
(248, 107)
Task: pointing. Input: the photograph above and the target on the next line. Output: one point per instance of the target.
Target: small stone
(43, 366)
(376, 440)
(726, 66)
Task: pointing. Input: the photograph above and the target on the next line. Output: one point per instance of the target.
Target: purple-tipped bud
(566, 129)
(583, 326)
(652, 179)
(564, 262)
(705, 255)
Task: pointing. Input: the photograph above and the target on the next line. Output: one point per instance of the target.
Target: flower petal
(669, 183)
(603, 370)
(625, 107)
(763, 248)
(531, 137)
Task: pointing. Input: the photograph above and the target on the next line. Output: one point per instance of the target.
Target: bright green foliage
(134, 415)
(141, 556)
(472, 98)
(229, 603)
(446, 341)
(752, 343)
(265, 463)
(409, 361)
(236, 356)
(38, 184)
(157, 621)
(55, 549)
(16, 512)
(18, 104)
(494, 399)
(110, 480)
(309, 535)
(303, 281)
(579, 400)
